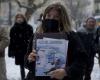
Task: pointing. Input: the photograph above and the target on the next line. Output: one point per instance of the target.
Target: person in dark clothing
(20, 35)
(98, 47)
(56, 20)
(89, 37)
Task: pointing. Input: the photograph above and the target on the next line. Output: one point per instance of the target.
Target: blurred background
(79, 11)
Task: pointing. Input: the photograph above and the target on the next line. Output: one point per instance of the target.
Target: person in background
(4, 41)
(89, 37)
(98, 35)
(20, 37)
(56, 20)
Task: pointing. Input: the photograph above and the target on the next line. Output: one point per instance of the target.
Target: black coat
(20, 38)
(90, 40)
(90, 43)
(75, 64)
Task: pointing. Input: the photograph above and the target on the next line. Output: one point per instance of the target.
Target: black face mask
(51, 25)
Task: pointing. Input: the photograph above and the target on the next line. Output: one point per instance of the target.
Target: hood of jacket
(85, 30)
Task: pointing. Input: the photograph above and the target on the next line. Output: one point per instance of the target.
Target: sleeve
(29, 39)
(79, 57)
(12, 39)
(28, 35)
(29, 65)
(12, 32)
(98, 43)
(12, 35)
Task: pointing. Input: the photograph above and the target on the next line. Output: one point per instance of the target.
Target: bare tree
(31, 7)
(77, 8)
(5, 5)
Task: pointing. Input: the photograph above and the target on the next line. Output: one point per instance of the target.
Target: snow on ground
(96, 71)
(13, 71)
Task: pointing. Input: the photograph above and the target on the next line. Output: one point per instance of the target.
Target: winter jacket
(75, 61)
(98, 40)
(89, 40)
(4, 41)
(20, 38)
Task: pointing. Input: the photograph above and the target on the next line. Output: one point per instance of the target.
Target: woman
(56, 20)
(20, 35)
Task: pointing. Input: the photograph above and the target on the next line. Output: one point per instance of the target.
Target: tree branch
(21, 5)
(40, 5)
(30, 7)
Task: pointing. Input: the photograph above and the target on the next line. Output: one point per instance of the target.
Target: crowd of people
(82, 47)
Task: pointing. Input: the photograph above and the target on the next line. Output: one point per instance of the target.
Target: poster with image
(51, 55)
